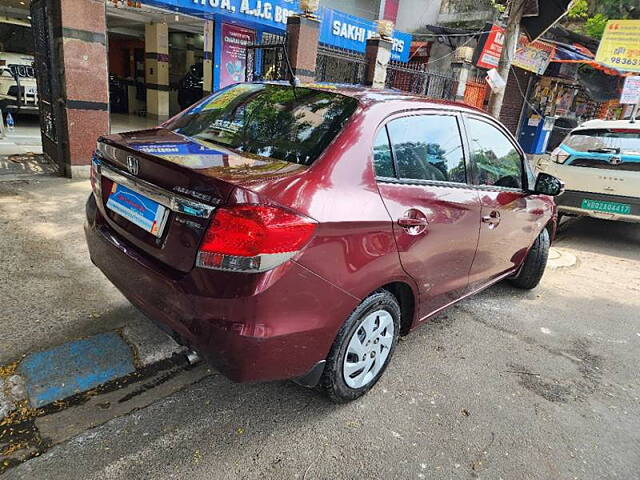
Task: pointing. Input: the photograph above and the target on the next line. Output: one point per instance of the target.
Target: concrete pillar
(462, 70)
(462, 65)
(303, 33)
(377, 55)
(156, 44)
(191, 52)
(80, 88)
(207, 62)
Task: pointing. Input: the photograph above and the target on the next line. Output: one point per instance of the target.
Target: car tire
(535, 263)
(349, 375)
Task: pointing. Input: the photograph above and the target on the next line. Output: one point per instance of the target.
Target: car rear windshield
(605, 141)
(272, 121)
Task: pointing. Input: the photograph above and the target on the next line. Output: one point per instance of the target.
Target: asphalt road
(509, 384)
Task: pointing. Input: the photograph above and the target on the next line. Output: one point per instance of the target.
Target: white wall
(368, 9)
(415, 14)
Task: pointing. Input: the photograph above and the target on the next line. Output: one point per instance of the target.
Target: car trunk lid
(189, 178)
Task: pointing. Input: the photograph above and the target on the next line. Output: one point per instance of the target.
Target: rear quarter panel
(354, 246)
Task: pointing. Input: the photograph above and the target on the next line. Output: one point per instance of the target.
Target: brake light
(93, 175)
(253, 238)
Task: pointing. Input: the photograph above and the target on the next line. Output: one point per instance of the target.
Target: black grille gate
(338, 65)
(267, 59)
(46, 60)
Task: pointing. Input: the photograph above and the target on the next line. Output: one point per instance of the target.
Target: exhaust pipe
(193, 357)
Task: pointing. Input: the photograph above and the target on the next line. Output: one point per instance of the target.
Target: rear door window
(428, 147)
(382, 159)
(495, 158)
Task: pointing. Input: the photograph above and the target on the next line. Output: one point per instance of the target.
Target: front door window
(497, 161)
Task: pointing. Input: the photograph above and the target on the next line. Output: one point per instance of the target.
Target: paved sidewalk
(65, 330)
(51, 292)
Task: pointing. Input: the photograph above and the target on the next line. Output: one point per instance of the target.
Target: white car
(599, 162)
(18, 90)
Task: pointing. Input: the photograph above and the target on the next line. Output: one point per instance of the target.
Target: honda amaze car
(295, 232)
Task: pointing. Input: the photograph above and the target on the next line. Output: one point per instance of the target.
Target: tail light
(253, 238)
(93, 176)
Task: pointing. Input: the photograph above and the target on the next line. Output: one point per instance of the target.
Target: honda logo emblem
(132, 165)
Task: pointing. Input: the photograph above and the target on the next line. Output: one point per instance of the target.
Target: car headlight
(560, 155)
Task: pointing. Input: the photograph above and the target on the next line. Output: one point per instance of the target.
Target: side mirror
(548, 185)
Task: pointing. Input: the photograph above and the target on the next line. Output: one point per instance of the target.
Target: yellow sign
(620, 45)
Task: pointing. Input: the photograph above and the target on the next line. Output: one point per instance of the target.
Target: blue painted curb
(75, 367)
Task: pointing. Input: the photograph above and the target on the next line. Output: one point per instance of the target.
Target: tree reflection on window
(274, 121)
(428, 147)
(496, 159)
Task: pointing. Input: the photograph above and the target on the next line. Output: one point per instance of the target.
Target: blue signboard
(271, 13)
(338, 29)
(342, 30)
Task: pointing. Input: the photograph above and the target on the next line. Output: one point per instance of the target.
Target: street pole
(511, 35)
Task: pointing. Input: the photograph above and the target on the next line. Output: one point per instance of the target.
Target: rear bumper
(270, 326)
(9, 105)
(571, 202)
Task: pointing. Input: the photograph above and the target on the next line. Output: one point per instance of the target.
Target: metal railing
(340, 66)
(416, 79)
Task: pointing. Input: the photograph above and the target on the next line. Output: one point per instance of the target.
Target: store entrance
(155, 64)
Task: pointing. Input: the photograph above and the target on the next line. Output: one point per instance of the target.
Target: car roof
(370, 96)
(608, 124)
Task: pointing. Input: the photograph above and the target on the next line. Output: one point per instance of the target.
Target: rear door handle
(412, 222)
(493, 219)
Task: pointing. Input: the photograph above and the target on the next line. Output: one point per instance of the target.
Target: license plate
(31, 90)
(138, 209)
(606, 207)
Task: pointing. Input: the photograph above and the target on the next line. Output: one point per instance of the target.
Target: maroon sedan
(295, 233)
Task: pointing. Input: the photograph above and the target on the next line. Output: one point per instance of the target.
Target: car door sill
(493, 281)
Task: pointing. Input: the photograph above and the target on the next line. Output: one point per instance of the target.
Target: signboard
(272, 13)
(495, 81)
(620, 45)
(338, 29)
(533, 56)
(489, 49)
(631, 91)
(342, 30)
(232, 53)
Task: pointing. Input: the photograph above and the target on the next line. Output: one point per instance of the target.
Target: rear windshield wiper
(604, 150)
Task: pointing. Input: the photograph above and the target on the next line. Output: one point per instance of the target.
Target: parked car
(190, 86)
(295, 233)
(118, 95)
(561, 127)
(18, 90)
(600, 164)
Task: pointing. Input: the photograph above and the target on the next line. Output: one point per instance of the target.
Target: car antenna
(293, 80)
